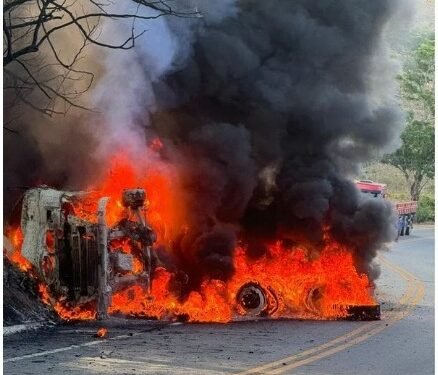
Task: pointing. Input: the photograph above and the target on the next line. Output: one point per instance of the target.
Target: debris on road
(101, 332)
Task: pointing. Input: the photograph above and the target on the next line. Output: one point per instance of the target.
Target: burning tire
(255, 301)
(312, 300)
(349, 312)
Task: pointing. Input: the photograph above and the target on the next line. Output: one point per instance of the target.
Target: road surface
(401, 343)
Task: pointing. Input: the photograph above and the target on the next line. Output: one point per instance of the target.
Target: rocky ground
(21, 303)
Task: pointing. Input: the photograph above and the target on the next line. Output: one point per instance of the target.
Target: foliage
(417, 79)
(426, 209)
(415, 158)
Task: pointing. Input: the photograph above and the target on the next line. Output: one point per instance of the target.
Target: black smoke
(269, 111)
(285, 86)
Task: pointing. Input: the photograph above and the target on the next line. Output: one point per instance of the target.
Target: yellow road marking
(412, 296)
(257, 370)
(379, 326)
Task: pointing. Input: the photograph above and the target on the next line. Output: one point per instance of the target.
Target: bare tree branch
(32, 58)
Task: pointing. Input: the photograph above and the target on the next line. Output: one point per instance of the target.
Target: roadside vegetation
(398, 190)
(409, 171)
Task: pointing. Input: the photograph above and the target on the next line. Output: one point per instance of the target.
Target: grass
(398, 189)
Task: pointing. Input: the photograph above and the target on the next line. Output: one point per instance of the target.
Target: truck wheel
(407, 230)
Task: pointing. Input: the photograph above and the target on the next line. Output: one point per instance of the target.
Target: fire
(165, 208)
(126, 247)
(15, 235)
(64, 311)
(333, 273)
(83, 312)
(44, 293)
(304, 286)
(101, 332)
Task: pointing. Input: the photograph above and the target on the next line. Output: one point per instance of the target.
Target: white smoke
(124, 93)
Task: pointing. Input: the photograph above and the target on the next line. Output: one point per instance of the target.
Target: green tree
(415, 158)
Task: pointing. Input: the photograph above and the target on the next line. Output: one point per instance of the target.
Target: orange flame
(101, 332)
(290, 273)
(15, 235)
(306, 286)
(44, 293)
(165, 207)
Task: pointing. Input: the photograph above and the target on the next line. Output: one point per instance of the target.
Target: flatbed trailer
(406, 215)
(406, 210)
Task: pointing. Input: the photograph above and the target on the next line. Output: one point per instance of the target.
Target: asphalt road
(401, 343)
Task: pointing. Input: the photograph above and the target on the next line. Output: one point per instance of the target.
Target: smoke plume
(267, 107)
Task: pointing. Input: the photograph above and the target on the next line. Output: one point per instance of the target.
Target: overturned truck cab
(74, 257)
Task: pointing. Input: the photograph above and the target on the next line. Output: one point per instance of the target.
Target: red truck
(406, 210)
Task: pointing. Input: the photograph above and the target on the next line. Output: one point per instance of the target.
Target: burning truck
(82, 261)
(262, 112)
(88, 268)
